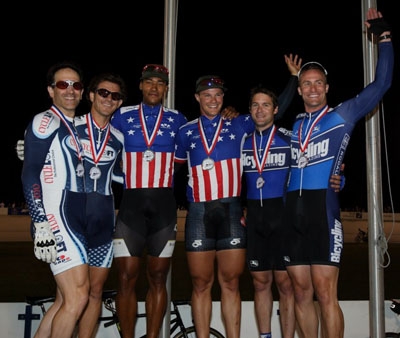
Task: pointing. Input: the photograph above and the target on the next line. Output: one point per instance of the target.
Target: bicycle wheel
(392, 335)
(191, 333)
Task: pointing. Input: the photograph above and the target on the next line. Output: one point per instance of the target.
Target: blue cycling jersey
(268, 179)
(329, 130)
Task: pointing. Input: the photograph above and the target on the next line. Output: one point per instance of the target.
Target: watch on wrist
(384, 37)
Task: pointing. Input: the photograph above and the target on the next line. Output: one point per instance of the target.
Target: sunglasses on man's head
(65, 84)
(155, 68)
(115, 96)
(212, 81)
(312, 65)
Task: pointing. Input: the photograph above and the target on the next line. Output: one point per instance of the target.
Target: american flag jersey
(224, 178)
(148, 128)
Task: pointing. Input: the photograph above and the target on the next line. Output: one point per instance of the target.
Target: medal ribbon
(303, 146)
(208, 149)
(150, 139)
(99, 150)
(260, 165)
(72, 132)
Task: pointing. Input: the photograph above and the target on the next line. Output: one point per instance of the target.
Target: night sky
(243, 43)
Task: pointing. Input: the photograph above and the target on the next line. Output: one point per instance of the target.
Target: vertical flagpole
(170, 24)
(374, 185)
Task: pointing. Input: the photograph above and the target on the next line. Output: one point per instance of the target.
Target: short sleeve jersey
(152, 129)
(266, 163)
(220, 140)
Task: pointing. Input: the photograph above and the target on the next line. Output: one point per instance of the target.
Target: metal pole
(170, 24)
(374, 185)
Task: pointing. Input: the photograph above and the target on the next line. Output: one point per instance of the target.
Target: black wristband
(384, 37)
(378, 26)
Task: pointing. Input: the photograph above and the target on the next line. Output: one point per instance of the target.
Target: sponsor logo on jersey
(337, 241)
(313, 151)
(273, 160)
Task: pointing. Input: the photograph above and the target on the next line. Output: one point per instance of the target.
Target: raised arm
(293, 63)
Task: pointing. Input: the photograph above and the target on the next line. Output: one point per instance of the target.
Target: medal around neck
(260, 182)
(148, 155)
(80, 170)
(303, 161)
(207, 164)
(95, 173)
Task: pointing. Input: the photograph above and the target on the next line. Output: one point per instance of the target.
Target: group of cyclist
(70, 162)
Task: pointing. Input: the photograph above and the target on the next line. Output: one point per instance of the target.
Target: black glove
(378, 26)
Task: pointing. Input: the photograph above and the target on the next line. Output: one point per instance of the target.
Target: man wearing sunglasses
(319, 141)
(54, 188)
(102, 148)
(147, 215)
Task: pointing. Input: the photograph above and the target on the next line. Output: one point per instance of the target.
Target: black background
(244, 43)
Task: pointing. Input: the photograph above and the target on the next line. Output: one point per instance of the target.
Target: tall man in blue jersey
(319, 140)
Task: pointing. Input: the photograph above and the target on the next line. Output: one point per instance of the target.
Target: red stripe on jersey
(195, 187)
(164, 165)
(207, 185)
(127, 169)
(220, 176)
(231, 179)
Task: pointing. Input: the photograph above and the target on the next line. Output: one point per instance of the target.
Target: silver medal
(148, 155)
(80, 170)
(303, 161)
(95, 173)
(208, 164)
(260, 182)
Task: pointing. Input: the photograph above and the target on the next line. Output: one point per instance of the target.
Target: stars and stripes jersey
(266, 176)
(52, 161)
(323, 135)
(212, 149)
(153, 129)
(102, 149)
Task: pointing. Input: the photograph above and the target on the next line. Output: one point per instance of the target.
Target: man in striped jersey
(212, 147)
(147, 215)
